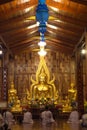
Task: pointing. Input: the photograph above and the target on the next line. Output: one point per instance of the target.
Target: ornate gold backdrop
(25, 65)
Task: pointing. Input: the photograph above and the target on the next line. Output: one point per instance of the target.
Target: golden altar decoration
(13, 101)
(70, 100)
(42, 90)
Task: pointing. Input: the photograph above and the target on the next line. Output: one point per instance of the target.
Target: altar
(41, 92)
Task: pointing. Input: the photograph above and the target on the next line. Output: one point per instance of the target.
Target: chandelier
(42, 17)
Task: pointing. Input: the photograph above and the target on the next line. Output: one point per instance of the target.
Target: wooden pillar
(86, 66)
(79, 77)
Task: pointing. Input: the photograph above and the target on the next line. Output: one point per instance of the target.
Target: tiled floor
(61, 125)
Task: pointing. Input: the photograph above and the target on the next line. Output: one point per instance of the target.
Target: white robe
(47, 117)
(27, 118)
(8, 118)
(84, 119)
(1, 121)
(74, 117)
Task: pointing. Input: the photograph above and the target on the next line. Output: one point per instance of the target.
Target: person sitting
(1, 121)
(74, 116)
(27, 118)
(47, 117)
(8, 118)
(83, 121)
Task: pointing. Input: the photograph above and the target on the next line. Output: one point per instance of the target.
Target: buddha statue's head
(72, 85)
(12, 85)
(42, 76)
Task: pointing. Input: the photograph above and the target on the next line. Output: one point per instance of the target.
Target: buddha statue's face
(42, 77)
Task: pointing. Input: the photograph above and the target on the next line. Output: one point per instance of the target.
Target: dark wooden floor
(61, 125)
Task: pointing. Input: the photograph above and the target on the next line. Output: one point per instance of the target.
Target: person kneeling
(83, 121)
(47, 117)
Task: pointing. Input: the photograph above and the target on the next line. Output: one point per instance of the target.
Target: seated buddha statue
(13, 100)
(72, 92)
(43, 90)
(17, 106)
(66, 105)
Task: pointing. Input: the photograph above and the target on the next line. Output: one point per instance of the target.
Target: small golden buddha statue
(17, 106)
(66, 105)
(72, 92)
(12, 92)
(13, 100)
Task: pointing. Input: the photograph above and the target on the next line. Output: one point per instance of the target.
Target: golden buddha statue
(13, 100)
(71, 99)
(16, 107)
(43, 89)
(66, 105)
(72, 92)
(12, 92)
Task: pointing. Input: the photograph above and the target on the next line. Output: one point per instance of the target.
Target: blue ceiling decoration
(42, 16)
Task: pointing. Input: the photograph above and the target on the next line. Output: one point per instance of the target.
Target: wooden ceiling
(19, 32)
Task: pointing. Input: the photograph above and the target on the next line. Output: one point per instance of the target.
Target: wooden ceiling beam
(19, 33)
(68, 19)
(66, 31)
(5, 1)
(20, 7)
(50, 42)
(84, 2)
(11, 28)
(59, 38)
(60, 48)
(18, 18)
(22, 37)
(15, 32)
(24, 47)
(25, 41)
(66, 26)
(65, 8)
(64, 36)
(58, 41)
(23, 44)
